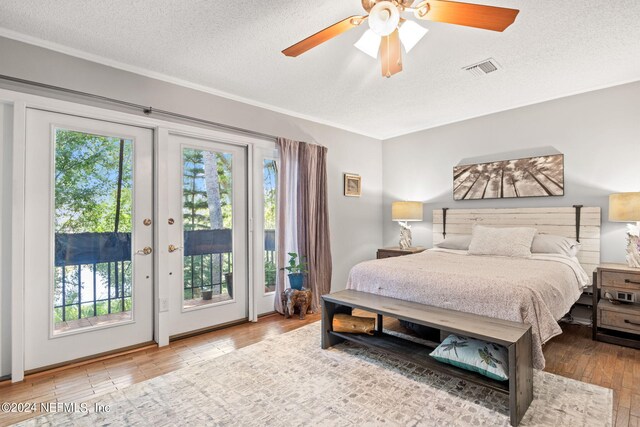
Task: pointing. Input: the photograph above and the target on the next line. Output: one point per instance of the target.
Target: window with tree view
(270, 186)
(208, 226)
(93, 207)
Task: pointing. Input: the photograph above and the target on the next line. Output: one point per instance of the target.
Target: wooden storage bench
(516, 337)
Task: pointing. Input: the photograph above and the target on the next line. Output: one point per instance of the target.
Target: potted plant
(296, 270)
(207, 293)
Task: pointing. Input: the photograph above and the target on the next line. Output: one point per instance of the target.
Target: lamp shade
(624, 207)
(406, 211)
(384, 18)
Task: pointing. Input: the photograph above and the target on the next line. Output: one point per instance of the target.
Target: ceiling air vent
(481, 68)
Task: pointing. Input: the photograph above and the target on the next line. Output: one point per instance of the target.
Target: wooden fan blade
(391, 54)
(324, 35)
(470, 15)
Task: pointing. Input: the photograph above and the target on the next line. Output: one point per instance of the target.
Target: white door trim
(18, 241)
(253, 312)
(161, 243)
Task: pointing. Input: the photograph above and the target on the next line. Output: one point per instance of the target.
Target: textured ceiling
(555, 48)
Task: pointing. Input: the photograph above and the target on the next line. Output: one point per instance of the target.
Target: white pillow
(511, 242)
(460, 242)
(554, 244)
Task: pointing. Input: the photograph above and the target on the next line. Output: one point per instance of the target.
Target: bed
(538, 290)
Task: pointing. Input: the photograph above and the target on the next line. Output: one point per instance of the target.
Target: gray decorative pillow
(511, 242)
(460, 242)
(554, 244)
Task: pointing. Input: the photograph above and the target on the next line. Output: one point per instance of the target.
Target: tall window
(270, 186)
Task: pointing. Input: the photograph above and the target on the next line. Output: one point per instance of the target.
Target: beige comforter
(537, 290)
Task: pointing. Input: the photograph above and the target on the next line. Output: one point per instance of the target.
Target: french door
(88, 237)
(208, 233)
(91, 223)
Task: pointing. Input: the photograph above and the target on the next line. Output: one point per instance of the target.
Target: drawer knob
(631, 281)
(631, 323)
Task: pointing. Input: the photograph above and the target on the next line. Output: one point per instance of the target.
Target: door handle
(146, 251)
(173, 248)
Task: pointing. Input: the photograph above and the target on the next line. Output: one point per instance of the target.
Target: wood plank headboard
(560, 221)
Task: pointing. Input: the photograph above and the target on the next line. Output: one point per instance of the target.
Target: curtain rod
(147, 110)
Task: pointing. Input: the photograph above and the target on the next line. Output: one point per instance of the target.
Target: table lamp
(403, 212)
(625, 207)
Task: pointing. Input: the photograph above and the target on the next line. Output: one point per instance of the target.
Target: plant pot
(296, 280)
(229, 278)
(207, 295)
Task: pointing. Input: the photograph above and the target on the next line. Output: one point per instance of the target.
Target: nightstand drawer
(384, 254)
(620, 280)
(619, 320)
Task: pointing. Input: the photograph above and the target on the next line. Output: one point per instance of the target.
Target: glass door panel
(92, 225)
(207, 218)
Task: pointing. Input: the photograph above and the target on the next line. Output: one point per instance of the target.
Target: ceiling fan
(389, 30)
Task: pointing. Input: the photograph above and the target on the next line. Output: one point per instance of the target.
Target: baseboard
(206, 330)
(89, 359)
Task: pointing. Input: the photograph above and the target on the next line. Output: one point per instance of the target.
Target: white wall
(6, 119)
(598, 132)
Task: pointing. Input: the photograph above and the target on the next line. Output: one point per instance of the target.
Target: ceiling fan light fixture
(384, 18)
(410, 34)
(369, 43)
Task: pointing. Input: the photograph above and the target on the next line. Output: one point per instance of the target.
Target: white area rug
(290, 381)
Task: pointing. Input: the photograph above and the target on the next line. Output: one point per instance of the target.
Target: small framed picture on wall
(352, 185)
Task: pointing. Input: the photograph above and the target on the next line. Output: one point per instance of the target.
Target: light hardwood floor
(572, 354)
(93, 379)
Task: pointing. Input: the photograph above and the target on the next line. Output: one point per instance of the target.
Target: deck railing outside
(93, 270)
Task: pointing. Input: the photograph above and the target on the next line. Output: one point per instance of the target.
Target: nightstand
(613, 322)
(396, 251)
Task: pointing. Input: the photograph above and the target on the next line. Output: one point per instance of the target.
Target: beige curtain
(287, 236)
(303, 216)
